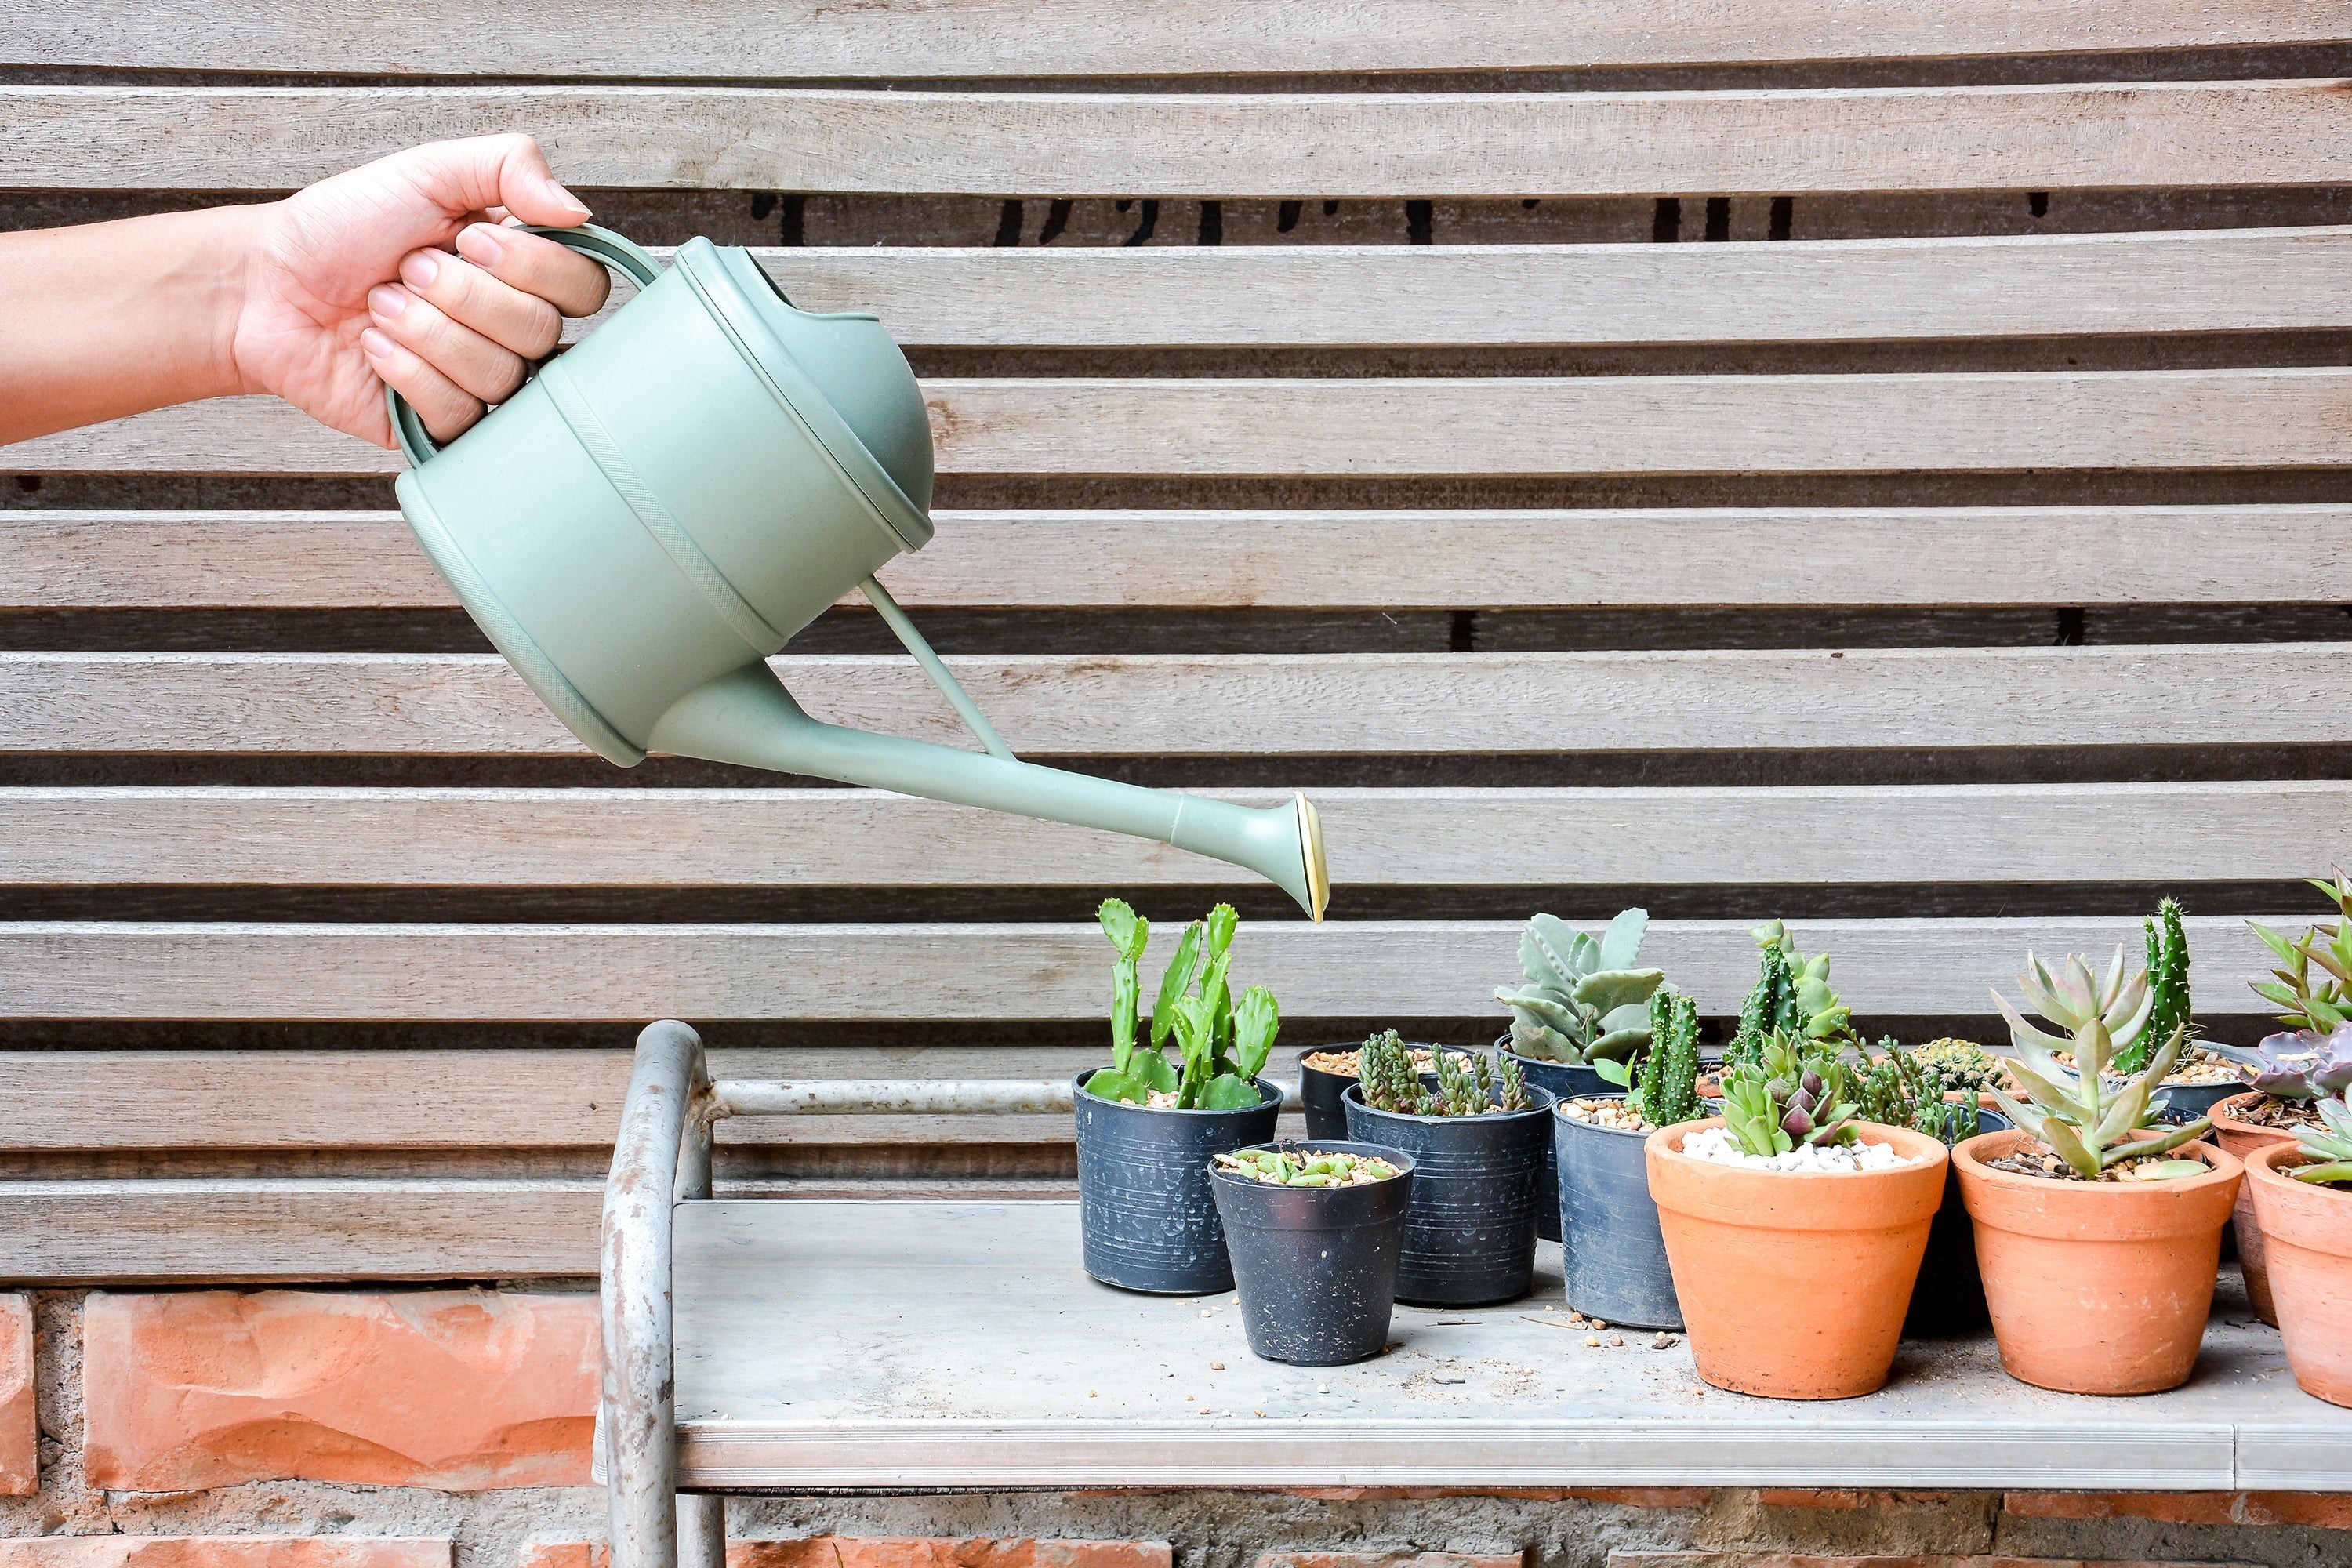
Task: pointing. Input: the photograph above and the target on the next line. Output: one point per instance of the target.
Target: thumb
(462, 178)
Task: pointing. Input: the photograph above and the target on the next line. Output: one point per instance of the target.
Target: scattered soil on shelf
(1613, 1113)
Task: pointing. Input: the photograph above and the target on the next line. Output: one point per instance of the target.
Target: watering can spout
(746, 717)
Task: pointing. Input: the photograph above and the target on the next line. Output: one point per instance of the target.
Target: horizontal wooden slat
(1291, 559)
(1345, 968)
(1501, 424)
(1408, 837)
(1829, 290)
(58, 1232)
(2194, 134)
(2177, 694)
(808, 40)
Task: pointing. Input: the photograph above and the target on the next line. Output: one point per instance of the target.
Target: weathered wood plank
(472, 704)
(808, 40)
(2194, 134)
(1832, 290)
(1397, 838)
(1525, 559)
(226, 1230)
(1500, 424)
(967, 973)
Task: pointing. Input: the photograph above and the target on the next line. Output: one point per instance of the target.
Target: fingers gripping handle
(623, 256)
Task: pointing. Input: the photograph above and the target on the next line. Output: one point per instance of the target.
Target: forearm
(112, 319)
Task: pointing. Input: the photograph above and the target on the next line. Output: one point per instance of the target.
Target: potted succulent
(1791, 998)
(1611, 1251)
(1324, 1074)
(2303, 1202)
(2098, 1235)
(1147, 1126)
(2291, 1073)
(1938, 1095)
(1794, 1229)
(1314, 1231)
(1478, 1134)
(1584, 1002)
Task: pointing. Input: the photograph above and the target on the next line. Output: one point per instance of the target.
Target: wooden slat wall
(1907, 426)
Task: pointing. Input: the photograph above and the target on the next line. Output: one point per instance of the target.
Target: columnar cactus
(2168, 976)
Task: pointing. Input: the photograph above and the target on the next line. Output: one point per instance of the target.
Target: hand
(405, 272)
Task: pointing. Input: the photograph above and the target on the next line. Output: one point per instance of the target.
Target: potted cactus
(1324, 1074)
(1478, 1134)
(2303, 1204)
(1937, 1095)
(2098, 1235)
(1791, 998)
(1585, 1002)
(1316, 1232)
(2291, 1073)
(1147, 1126)
(1611, 1252)
(1794, 1229)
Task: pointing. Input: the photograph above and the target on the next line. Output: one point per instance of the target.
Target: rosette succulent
(2328, 1145)
(1792, 1094)
(2322, 1004)
(1585, 1001)
(2298, 1064)
(2080, 1114)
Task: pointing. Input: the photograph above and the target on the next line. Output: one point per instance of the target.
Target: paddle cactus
(2076, 1112)
(1584, 1000)
(1222, 1044)
(2319, 1004)
(2167, 976)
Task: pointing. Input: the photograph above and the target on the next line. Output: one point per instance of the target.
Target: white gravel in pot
(1716, 1144)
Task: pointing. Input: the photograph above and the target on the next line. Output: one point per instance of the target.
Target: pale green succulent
(2328, 1145)
(1584, 1001)
(2084, 1117)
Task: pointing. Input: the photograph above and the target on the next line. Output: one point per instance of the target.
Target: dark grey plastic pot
(1612, 1253)
(1470, 1238)
(1319, 1092)
(1316, 1267)
(2187, 1101)
(1564, 1080)
(1948, 1296)
(1146, 1218)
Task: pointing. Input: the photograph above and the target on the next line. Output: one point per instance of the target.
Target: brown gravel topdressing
(2050, 1168)
(2286, 1114)
(1606, 1112)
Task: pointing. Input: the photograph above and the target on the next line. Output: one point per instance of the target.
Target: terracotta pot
(2096, 1287)
(1794, 1285)
(2245, 1139)
(2307, 1232)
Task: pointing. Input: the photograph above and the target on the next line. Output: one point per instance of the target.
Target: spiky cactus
(1791, 997)
(1897, 1088)
(1384, 1067)
(1668, 1092)
(2318, 1005)
(2167, 980)
(1584, 1000)
(2074, 1110)
(1469, 1083)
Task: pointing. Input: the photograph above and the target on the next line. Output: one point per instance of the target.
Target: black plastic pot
(1316, 1267)
(1470, 1238)
(1147, 1220)
(1564, 1081)
(1319, 1092)
(1612, 1253)
(1948, 1296)
(2187, 1101)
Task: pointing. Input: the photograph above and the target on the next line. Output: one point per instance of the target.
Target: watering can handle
(623, 256)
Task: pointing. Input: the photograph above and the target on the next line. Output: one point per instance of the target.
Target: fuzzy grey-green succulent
(1584, 1000)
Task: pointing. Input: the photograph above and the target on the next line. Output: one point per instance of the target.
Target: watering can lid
(839, 374)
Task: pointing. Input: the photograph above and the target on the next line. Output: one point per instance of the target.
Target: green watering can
(659, 509)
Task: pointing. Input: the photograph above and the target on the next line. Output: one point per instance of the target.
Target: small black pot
(2187, 1101)
(1564, 1080)
(1319, 1092)
(1613, 1254)
(1316, 1267)
(1147, 1220)
(1948, 1296)
(1471, 1237)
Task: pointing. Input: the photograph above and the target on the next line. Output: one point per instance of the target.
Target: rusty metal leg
(639, 1390)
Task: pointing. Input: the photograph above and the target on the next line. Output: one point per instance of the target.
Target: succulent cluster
(1791, 997)
(1468, 1083)
(1221, 1042)
(2080, 1114)
(2328, 1145)
(1662, 1087)
(1584, 1001)
(1899, 1089)
(2317, 1006)
(1796, 1092)
(1305, 1167)
(1959, 1067)
(2168, 985)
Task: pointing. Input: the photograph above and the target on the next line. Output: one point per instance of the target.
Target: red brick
(20, 1428)
(1646, 1497)
(1389, 1559)
(2317, 1510)
(458, 1390)
(225, 1552)
(1802, 1560)
(888, 1552)
(2321, 1510)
